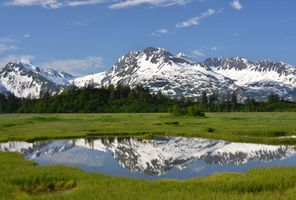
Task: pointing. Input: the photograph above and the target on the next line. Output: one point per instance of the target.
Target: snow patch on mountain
(92, 79)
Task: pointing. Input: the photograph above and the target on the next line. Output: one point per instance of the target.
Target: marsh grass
(237, 127)
(23, 179)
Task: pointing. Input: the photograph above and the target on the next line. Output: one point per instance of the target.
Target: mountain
(257, 79)
(23, 79)
(155, 157)
(159, 70)
(174, 75)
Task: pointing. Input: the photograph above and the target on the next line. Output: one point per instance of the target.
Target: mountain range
(159, 70)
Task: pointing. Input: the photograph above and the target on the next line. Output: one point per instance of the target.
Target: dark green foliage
(9, 103)
(177, 110)
(194, 111)
(136, 100)
(172, 123)
(210, 130)
(99, 100)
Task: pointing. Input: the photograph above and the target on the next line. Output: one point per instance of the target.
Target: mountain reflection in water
(162, 157)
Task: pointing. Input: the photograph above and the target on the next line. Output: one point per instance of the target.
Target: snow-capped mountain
(159, 70)
(158, 156)
(23, 79)
(257, 79)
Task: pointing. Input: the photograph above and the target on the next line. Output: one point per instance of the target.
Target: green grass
(238, 127)
(22, 179)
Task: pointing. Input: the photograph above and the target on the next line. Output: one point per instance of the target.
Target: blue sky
(86, 36)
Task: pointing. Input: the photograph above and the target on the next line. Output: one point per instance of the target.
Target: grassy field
(239, 127)
(22, 179)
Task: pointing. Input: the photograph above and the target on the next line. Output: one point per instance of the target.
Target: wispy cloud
(204, 51)
(7, 44)
(233, 35)
(79, 23)
(113, 4)
(76, 67)
(14, 58)
(236, 4)
(53, 4)
(214, 48)
(197, 53)
(160, 32)
(130, 3)
(27, 35)
(196, 20)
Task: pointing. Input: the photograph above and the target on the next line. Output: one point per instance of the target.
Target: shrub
(178, 111)
(194, 111)
(211, 130)
(171, 123)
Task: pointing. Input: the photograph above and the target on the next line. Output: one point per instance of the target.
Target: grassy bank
(239, 127)
(22, 179)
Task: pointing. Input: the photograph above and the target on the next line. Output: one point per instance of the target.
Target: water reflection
(163, 157)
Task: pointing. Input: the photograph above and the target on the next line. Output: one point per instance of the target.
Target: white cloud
(78, 23)
(113, 4)
(53, 4)
(82, 66)
(160, 32)
(197, 53)
(196, 20)
(234, 35)
(27, 35)
(7, 44)
(214, 48)
(236, 5)
(131, 3)
(76, 67)
(14, 58)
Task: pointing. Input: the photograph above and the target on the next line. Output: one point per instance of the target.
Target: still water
(162, 157)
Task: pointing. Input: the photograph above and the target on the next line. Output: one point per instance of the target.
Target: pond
(159, 158)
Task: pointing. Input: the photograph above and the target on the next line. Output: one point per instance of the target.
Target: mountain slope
(92, 79)
(257, 79)
(26, 80)
(173, 75)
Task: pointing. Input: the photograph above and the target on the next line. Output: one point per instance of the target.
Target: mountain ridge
(159, 70)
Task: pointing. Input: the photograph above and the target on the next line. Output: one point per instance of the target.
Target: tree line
(122, 98)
